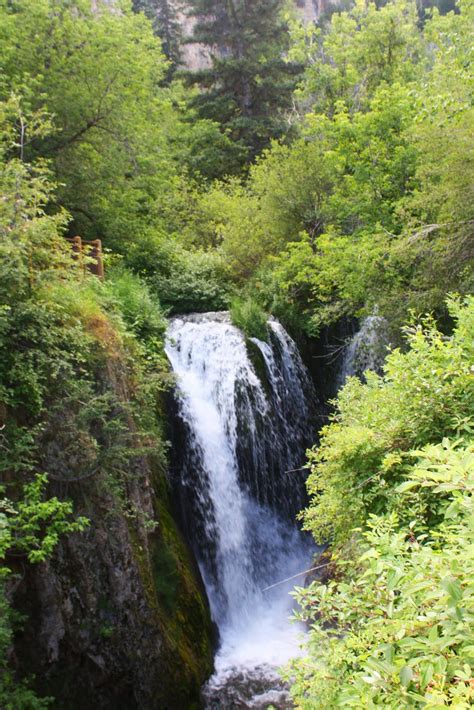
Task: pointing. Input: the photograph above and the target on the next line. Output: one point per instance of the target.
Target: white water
(367, 349)
(233, 490)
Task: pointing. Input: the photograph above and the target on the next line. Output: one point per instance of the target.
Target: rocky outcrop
(117, 618)
(196, 56)
(310, 10)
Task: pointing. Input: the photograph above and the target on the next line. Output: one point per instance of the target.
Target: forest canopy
(364, 198)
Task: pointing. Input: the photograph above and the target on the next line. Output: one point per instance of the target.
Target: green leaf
(407, 486)
(453, 588)
(406, 675)
(426, 674)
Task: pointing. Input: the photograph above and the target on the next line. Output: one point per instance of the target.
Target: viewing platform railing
(82, 248)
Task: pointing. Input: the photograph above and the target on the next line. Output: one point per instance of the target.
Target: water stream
(366, 350)
(239, 483)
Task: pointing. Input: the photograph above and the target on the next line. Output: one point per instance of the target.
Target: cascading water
(239, 489)
(366, 350)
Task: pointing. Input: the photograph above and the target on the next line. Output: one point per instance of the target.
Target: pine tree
(249, 85)
(164, 15)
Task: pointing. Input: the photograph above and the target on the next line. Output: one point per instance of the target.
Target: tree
(372, 204)
(249, 85)
(98, 73)
(358, 50)
(164, 16)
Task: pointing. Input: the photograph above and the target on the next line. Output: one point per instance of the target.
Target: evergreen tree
(248, 85)
(164, 16)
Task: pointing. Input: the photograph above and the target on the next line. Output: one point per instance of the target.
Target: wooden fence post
(91, 248)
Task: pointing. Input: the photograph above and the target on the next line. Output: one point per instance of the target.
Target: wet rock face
(97, 633)
(88, 622)
(117, 618)
(256, 689)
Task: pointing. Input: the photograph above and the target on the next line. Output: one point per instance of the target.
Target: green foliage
(359, 51)
(122, 142)
(164, 17)
(397, 632)
(32, 525)
(191, 280)
(96, 72)
(424, 394)
(141, 311)
(393, 627)
(78, 391)
(229, 222)
(247, 315)
(372, 204)
(249, 84)
(204, 150)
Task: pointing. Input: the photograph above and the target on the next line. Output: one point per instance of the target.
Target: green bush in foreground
(393, 627)
(399, 632)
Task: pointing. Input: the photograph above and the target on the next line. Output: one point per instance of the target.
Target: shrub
(192, 281)
(247, 315)
(393, 628)
(424, 394)
(398, 633)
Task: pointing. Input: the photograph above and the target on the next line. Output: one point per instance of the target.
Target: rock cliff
(117, 617)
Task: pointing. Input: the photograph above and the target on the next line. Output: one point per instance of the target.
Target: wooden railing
(82, 248)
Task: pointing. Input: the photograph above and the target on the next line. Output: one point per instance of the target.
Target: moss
(173, 593)
(258, 362)
(189, 619)
(166, 577)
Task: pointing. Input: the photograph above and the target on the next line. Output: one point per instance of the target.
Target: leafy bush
(141, 312)
(397, 632)
(423, 395)
(393, 627)
(142, 315)
(191, 281)
(34, 525)
(247, 315)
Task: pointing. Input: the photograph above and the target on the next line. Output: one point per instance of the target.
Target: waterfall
(366, 350)
(240, 484)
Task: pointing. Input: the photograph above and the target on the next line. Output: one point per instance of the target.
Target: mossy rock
(258, 362)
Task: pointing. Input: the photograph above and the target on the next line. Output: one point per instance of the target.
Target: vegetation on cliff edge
(391, 487)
